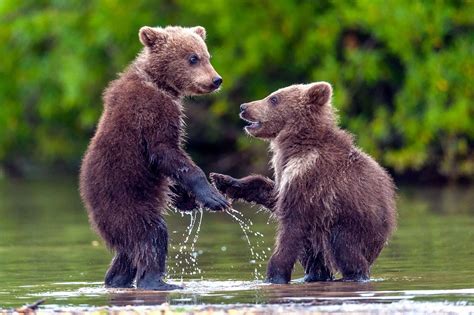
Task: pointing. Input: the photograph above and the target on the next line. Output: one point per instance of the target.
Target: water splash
(195, 270)
(258, 253)
(186, 258)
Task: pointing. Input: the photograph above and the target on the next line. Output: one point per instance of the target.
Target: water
(47, 250)
(257, 254)
(186, 260)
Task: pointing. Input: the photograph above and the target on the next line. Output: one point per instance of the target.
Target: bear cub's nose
(243, 107)
(217, 81)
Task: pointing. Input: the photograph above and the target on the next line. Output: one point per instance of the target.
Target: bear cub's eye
(193, 59)
(273, 100)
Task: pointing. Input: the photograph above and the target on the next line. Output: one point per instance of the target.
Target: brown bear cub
(135, 161)
(334, 204)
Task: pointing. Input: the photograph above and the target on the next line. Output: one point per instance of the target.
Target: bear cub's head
(177, 57)
(290, 109)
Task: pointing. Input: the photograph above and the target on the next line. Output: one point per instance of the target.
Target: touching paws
(210, 198)
(227, 185)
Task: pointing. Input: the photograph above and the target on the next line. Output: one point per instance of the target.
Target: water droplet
(186, 259)
(255, 251)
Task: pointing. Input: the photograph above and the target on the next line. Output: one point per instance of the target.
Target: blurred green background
(402, 72)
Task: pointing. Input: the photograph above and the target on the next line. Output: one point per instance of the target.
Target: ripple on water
(191, 288)
(39, 260)
(301, 293)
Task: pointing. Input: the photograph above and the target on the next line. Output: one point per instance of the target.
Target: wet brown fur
(136, 155)
(334, 204)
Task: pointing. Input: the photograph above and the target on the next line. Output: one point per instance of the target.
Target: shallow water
(47, 250)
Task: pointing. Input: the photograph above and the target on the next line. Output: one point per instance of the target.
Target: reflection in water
(324, 292)
(47, 250)
(256, 292)
(134, 297)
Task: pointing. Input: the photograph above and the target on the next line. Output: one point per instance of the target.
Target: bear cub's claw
(210, 198)
(223, 182)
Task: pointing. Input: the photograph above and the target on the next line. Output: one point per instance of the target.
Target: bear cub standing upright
(334, 204)
(136, 157)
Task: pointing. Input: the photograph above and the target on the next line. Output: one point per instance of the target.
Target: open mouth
(252, 125)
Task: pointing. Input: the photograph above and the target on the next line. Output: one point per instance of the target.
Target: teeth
(254, 124)
(251, 124)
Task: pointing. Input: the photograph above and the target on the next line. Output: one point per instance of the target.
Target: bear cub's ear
(151, 36)
(201, 31)
(319, 93)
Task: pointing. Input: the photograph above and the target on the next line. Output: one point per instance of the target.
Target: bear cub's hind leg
(314, 267)
(151, 278)
(288, 247)
(151, 260)
(349, 258)
(121, 272)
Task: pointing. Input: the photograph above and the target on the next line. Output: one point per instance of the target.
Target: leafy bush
(402, 72)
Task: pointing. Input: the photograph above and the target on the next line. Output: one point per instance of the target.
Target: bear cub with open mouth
(334, 204)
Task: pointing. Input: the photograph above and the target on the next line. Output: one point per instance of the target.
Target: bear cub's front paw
(210, 198)
(225, 184)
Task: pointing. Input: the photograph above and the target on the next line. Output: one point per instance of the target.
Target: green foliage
(402, 72)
